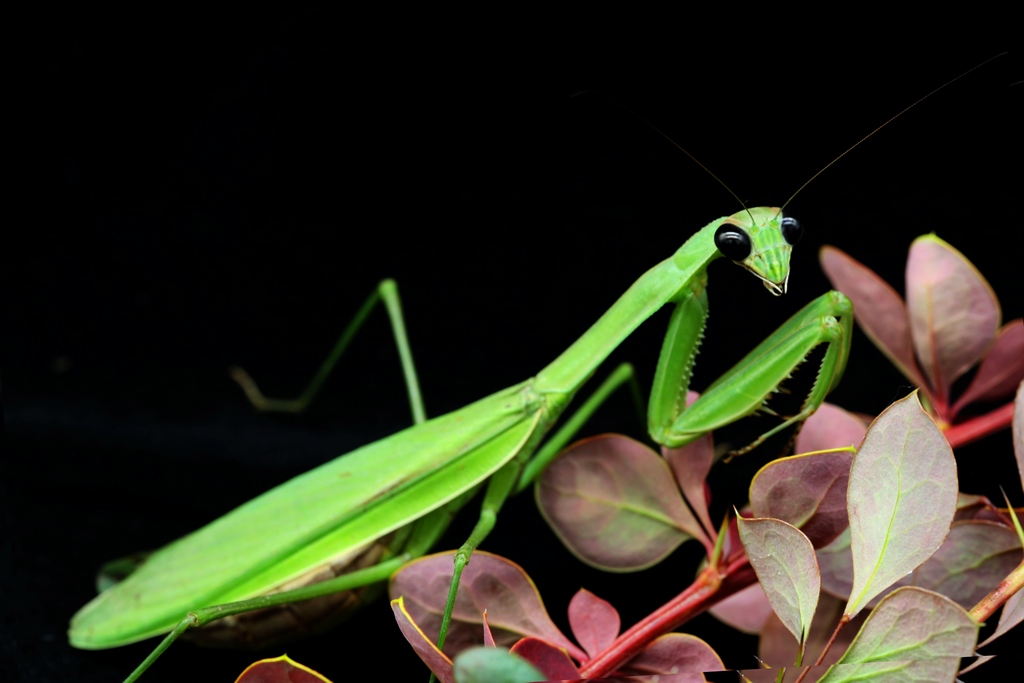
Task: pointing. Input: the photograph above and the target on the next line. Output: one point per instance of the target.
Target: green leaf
(490, 665)
(912, 636)
(786, 568)
(901, 498)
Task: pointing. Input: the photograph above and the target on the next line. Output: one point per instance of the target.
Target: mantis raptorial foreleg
(745, 388)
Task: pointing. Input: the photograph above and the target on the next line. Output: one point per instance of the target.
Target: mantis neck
(686, 270)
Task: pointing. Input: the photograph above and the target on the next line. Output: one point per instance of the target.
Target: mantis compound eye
(792, 231)
(733, 242)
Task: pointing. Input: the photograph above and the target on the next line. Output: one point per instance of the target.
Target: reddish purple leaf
(807, 491)
(492, 583)
(973, 559)
(422, 644)
(691, 465)
(552, 661)
(835, 562)
(488, 636)
(978, 661)
(732, 548)
(745, 611)
(594, 621)
(972, 506)
(280, 670)
(924, 632)
(877, 308)
(1001, 370)
(786, 568)
(674, 655)
(901, 498)
(954, 314)
(830, 427)
(777, 648)
(613, 502)
(1018, 431)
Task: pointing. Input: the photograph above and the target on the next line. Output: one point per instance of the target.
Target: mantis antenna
(901, 113)
(674, 143)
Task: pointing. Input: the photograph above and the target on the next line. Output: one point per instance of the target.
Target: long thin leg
(387, 291)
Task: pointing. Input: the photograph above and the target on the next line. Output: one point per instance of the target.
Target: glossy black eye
(732, 242)
(792, 230)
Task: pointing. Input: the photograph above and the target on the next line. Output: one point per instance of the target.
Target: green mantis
(409, 482)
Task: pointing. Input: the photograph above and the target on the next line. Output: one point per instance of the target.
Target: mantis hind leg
(386, 291)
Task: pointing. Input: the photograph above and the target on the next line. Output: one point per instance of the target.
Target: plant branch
(977, 427)
(710, 587)
(828, 646)
(1006, 588)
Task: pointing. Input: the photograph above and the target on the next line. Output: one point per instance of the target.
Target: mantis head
(760, 240)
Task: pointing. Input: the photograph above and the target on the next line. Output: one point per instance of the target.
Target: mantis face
(760, 240)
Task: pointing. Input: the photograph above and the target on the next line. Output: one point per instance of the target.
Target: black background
(216, 189)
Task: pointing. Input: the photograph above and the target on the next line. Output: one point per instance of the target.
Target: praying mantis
(738, 214)
(412, 481)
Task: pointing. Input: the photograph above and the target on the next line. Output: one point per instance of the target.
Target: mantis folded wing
(421, 474)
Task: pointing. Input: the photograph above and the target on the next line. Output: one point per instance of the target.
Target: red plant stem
(977, 427)
(828, 646)
(1006, 588)
(710, 583)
